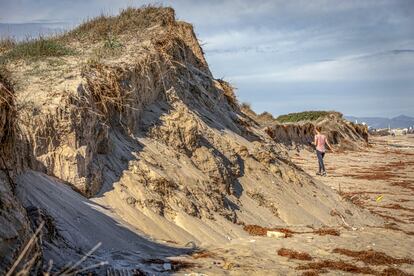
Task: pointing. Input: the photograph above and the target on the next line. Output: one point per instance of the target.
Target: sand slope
(80, 224)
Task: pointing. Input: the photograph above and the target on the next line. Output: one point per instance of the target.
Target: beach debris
(379, 198)
(167, 266)
(203, 254)
(218, 263)
(293, 254)
(191, 244)
(228, 265)
(326, 231)
(275, 234)
(372, 257)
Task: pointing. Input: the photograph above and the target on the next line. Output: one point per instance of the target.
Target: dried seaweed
(293, 254)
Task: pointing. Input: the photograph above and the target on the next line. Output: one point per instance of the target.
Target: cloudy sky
(356, 57)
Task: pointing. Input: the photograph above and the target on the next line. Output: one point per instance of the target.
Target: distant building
(399, 131)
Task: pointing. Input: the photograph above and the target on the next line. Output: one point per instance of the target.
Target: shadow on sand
(74, 220)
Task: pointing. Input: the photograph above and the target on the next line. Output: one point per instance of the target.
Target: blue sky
(356, 57)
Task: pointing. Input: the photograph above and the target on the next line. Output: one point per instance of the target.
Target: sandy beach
(379, 179)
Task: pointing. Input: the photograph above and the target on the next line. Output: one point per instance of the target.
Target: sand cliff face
(342, 134)
(15, 229)
(152, 136)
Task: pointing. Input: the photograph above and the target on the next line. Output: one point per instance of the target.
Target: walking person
(320, 142)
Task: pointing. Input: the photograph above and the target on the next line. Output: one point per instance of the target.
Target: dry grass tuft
(29, 256)
(6, 44)
(131, 20)
(117, 89)
(103, 83)
(228, 90)
(372, 257)
(292, 254)
(8, 111)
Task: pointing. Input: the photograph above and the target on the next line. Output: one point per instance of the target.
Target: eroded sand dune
(158, 146)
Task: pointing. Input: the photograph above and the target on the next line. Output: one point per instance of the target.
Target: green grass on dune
(105, 29)
(304, 116)
(132, 20)
(35, 49)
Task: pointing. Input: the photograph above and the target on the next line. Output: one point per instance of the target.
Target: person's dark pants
(320, 160)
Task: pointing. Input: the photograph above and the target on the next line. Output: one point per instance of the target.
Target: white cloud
(390, 66)
(274, 42)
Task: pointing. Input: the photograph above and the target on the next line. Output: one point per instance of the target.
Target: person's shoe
(318, 173)
(323, 174)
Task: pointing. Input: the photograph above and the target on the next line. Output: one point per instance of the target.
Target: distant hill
(401, 121)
